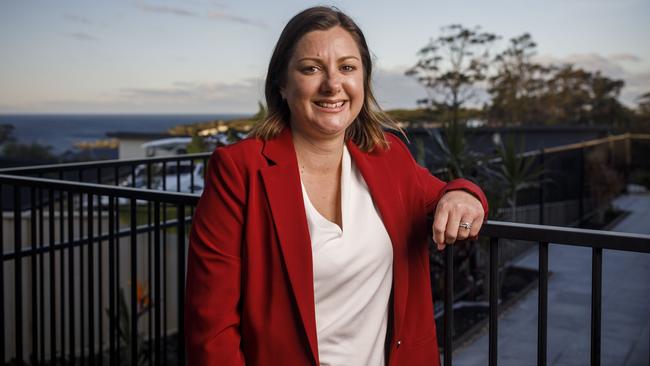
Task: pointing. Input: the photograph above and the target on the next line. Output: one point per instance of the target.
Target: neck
(318, 156)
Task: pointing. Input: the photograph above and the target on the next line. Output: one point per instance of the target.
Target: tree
(517, 84)
(450, 66)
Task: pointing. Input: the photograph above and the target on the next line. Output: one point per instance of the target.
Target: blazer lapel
(282, 184)
(378, 177)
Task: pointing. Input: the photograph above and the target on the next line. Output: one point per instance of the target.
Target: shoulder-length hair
(366, 131)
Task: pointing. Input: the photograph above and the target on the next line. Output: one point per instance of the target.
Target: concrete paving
(625, 304)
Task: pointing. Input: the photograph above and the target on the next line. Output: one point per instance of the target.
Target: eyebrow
(319, 60)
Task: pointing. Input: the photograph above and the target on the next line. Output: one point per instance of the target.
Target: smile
(330, 105)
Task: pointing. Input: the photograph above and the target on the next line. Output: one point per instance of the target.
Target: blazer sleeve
(433, 188)
(212, 315)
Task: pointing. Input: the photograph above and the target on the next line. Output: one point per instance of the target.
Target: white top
(353, 271)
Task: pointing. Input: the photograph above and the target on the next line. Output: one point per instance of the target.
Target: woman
(309, 244)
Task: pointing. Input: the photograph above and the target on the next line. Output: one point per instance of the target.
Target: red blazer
(250, 297)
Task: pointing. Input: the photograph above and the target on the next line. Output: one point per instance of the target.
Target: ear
(282, 93)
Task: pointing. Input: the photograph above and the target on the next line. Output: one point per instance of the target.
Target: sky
(202, 56)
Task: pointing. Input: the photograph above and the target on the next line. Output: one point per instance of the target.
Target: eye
(309, 69)
(348, 68)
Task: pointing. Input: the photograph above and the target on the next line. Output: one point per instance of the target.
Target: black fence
(93, 273)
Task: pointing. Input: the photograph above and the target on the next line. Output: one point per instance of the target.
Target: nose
(331, 84)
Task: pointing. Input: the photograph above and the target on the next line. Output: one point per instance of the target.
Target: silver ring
(465, 225)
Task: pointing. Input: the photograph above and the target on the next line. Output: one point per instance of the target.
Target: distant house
(133, 145)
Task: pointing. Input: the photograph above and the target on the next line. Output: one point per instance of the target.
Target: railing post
(18, 279)
(71, 296)
(157, 297)
(596, 303)
(91, 282)
(112, 360)
(541, 187)
(32, 227)
(3, 330)
(542, 306)
(181, 282)
(52, 276)
(449, 304)
(134, 283)
(494, 300)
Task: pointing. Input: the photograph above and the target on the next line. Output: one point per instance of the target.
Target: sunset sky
(199, 56)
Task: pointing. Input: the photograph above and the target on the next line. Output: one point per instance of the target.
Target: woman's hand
(459, 215)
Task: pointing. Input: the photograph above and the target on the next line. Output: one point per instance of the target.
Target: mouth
(331, 105)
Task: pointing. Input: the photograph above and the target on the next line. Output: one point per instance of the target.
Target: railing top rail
(102, 189)
(570, 236)
(100, 164)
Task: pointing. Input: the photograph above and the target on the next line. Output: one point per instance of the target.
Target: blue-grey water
(62, 131)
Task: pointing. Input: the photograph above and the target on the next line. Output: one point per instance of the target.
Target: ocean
(61, 132)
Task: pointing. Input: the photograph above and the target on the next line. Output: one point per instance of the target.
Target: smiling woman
(309, 244)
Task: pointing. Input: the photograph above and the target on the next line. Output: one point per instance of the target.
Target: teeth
(330, 105)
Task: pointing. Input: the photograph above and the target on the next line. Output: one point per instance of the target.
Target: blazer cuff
(469, 187)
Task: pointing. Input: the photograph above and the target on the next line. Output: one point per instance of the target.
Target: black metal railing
(543, 235)
(71, 248)
(166, 173)
(82, 249)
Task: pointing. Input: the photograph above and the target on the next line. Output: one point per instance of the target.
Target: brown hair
(366, 130)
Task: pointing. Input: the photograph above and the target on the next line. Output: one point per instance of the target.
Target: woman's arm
(453, 203)
(212, 315)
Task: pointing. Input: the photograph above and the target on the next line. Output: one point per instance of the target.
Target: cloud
(166, 10)
(81, 36)
(624, 57)
(219, 15)
(613, 66)
(77, 19)
(214, 15)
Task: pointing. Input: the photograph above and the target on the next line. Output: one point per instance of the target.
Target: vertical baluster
(82, 321)
(596, 303)
(449, 303)
(149, 264)
(494, 300)
(100, 273)
(117, 259)
(91, 282)
(111, 282)
(134, 285)
(52, 275)
(164, 264)
(62, 273)
(71, 289)
(34, 307)
(542, 306)
(157, 297)
(18, 280)
(181, 281)
(3, 330)
(41, 272)
(541, 187)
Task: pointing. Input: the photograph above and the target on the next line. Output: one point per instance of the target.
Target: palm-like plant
(516, 172)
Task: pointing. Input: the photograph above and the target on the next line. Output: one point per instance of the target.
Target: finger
(439, 225)
(476, 226)
(464, 232)
(441, 246)
(451, 231)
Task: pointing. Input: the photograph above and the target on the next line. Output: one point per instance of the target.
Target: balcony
(93, 265)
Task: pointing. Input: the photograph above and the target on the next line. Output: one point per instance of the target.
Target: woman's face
(324, 84)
